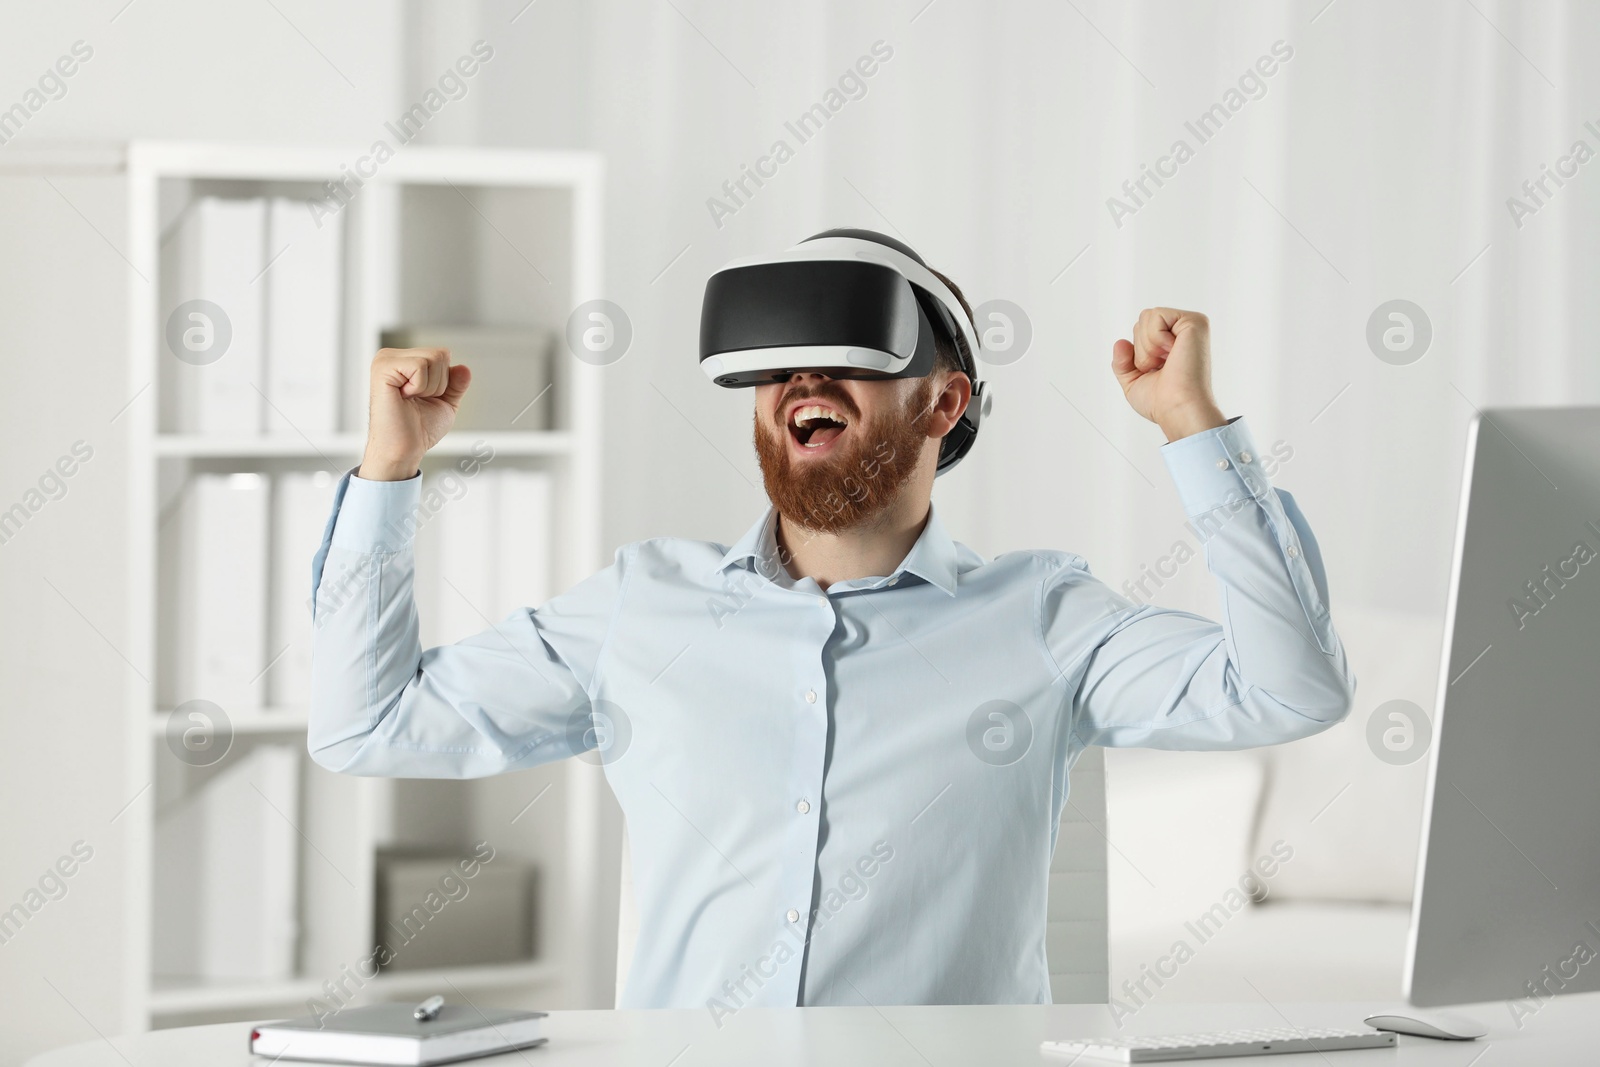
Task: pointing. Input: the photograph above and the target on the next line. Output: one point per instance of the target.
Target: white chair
(627, 917)
(1076, 920)
(1076, 925)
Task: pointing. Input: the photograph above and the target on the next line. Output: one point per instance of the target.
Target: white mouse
(1446, 1026)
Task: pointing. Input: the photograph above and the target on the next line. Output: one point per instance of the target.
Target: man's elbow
(1338, 708)
(340, 739)
(332, 743)
(1317, 701)
(325, 754)
(1334, 695)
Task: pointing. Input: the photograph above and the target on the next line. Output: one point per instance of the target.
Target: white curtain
(1376, 165)
(1373, 164)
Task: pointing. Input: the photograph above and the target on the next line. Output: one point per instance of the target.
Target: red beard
(860, 477)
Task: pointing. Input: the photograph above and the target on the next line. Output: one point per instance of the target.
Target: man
(841, 744)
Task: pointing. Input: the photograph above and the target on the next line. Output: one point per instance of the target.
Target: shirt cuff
(376, 516)
(1216, 467)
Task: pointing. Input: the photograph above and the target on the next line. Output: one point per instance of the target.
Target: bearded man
(842, 743)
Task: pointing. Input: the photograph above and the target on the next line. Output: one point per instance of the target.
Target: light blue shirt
(844, 796)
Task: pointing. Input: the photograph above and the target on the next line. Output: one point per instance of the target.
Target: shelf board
(254, 721)
(252, 161)
(174, 999)
(351, 445)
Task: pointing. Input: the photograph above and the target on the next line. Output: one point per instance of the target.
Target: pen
(428, 1009)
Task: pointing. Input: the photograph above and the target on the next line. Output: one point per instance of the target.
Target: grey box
(511, 366)
(430, 914)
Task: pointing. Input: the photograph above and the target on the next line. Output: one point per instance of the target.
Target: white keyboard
(1212, 1046)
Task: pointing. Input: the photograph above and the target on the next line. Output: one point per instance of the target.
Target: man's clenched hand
(1165, 371)
(415, 395)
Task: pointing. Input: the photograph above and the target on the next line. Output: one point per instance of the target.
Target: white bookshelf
(529, 224)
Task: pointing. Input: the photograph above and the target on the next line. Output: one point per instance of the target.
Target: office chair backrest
(627, 917)
(1076, 940)
(1076, 926)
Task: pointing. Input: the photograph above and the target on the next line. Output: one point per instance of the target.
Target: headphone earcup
(956, 444)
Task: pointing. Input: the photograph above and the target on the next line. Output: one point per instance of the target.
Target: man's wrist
(385, 470)
(1191, 419)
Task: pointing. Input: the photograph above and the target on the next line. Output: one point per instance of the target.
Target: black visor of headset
(847, 303)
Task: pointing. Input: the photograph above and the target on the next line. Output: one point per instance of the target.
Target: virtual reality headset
(848, 303)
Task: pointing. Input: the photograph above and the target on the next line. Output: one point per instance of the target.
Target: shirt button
(811, 696)
(793, 916)
(803, 807)
(1245, 457)
(1222, 464)
(1293, 552)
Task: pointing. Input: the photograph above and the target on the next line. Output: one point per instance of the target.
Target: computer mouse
(1446, 1026)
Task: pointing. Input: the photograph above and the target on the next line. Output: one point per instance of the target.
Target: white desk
(1565, 1031)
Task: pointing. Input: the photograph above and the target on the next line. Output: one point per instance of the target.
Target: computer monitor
(1507, 898)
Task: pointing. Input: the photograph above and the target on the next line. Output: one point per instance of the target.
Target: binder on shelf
(222, 578)
(524, 547)
(301, 502)
(215, 254)
(486, 552)
(227, 865)
(302, 293)
(466, 595)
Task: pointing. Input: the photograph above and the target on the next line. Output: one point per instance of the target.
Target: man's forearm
(1272, 585)
(365, 644)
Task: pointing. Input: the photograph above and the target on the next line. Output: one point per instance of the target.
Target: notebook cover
(395, 1020)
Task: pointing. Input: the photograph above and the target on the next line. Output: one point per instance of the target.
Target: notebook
(387, 1033)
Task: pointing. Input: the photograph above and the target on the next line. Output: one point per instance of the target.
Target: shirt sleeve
(515, 695)
(1273, 670)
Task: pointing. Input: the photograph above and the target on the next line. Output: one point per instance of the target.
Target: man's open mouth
(813, 426)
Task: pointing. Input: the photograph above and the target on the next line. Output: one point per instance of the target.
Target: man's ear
(958, 385)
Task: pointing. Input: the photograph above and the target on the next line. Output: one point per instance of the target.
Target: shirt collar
(932, 558)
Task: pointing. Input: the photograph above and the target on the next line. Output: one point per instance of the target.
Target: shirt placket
(807, 697)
